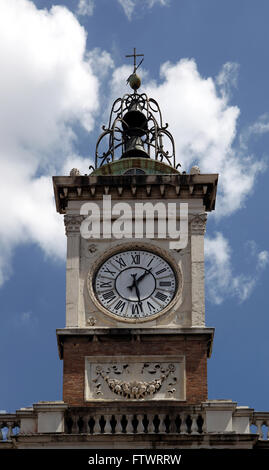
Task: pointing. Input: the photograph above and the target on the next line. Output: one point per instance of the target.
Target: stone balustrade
(260, 424)
(9, 426)
(188, 421)
(212, 417)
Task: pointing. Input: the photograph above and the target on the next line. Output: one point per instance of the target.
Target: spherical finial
(134, 81)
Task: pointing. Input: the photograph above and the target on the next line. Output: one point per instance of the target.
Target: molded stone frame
(128, 378)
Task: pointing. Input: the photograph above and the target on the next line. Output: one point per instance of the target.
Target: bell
(134, 148)
(134, 121)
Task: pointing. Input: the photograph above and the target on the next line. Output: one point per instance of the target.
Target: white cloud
(85, 7)
(100, 61)
(221, 280)
(204, 126)
(227, 78)
(47, 85)
(129, 6)
(257, 129)
(263, 259)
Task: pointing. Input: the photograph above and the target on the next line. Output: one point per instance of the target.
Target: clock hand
(136, 287)
(147, 271)
(134, 281)
(137, 293)
(134, 284)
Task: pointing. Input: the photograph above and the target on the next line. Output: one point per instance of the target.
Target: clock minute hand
(137, 293)
(147, 271)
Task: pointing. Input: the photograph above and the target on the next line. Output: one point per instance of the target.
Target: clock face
(135, 284)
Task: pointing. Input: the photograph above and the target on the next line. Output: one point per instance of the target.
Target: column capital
(198, 224)
(72, 224)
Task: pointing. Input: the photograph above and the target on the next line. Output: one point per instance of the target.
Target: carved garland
(135, 389)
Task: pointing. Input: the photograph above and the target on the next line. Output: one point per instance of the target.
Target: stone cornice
(145, 187)
(134, 334)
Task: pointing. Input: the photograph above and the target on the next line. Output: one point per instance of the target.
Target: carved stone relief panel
(134, 378)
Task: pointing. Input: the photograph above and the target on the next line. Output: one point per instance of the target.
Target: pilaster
(197, 232)
(72, 225)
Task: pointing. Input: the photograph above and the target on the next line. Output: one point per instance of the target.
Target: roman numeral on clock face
(120, 305)
(137, 309)
(120, 262)
(161, 296)
(107, 270)
(109, 296)
(150, 306)
(165, 283)
(135, 259)
(105, 284)
(161, 271)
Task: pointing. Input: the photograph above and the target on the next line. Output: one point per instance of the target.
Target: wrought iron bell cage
(135, 129)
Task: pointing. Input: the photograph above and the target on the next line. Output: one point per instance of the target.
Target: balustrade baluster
(194, 426)
(162, 426)
(118, 426)
(184, 425)
(85, 428)
(9, 432)
(75, 428)
(1, 432)
(173, 427)
(140, 426)
(129, 427)
(151, 427)
(107, 426)
(258, 423)
(98, 424)
(267, 431)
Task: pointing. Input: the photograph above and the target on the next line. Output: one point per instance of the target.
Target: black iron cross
(135, 55)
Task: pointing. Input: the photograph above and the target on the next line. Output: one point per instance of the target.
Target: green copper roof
(149, 166)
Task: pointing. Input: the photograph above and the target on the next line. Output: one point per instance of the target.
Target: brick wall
(193, 347)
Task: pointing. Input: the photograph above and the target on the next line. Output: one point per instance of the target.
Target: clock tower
(135, 333)
(135, 343)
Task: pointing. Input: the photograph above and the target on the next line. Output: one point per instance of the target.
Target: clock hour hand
(134, 281)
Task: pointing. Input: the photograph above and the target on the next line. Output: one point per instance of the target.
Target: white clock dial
(135, 284)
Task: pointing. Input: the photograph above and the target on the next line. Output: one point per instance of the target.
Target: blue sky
(62, 66)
